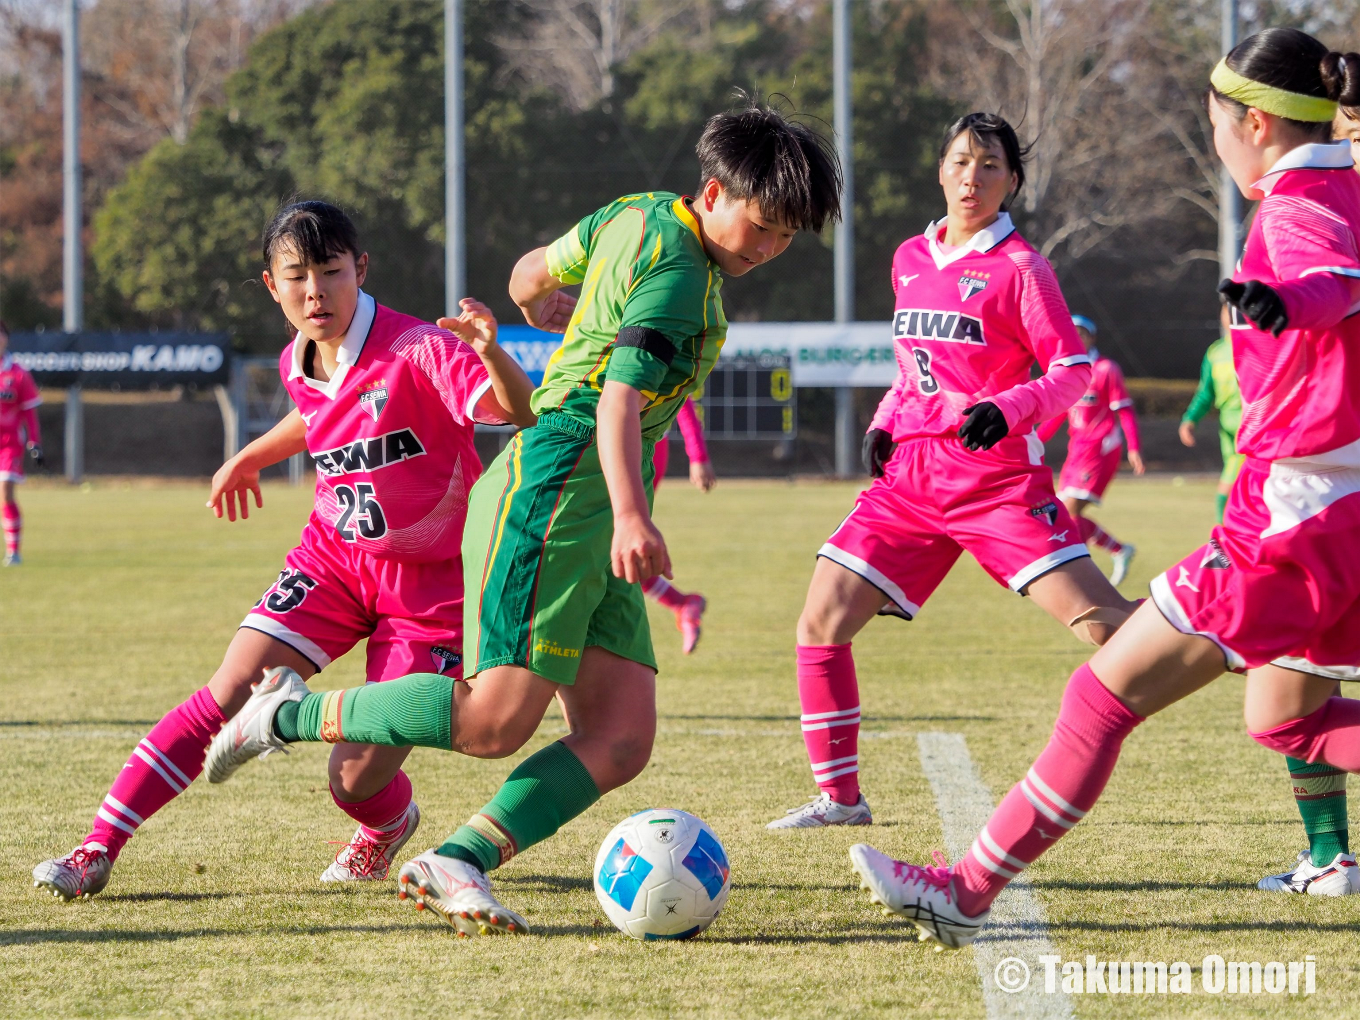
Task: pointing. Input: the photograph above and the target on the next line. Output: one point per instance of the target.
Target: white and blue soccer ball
(662, 875)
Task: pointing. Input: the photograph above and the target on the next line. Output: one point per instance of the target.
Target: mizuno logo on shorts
(370, 454)
(925, 324)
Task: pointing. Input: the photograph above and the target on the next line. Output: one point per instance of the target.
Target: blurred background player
(976, 309)
(688, 609)
(1098, 426)
(1218, 392)
(19, 400)
(385, 406)
(1274, 592)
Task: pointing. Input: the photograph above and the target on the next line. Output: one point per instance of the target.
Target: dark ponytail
(1296, 62)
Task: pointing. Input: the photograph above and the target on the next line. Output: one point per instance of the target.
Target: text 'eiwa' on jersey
(1301, 390)
(392, 434)
(968, 325)
(649, 314)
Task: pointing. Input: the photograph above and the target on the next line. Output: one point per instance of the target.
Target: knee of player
(1098, 624)
(817, 625)
(500, 740)
(628, 755)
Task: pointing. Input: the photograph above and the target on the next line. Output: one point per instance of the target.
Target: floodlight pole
(846, 437)
(1229, 198)
(455, 214)
(73, 311)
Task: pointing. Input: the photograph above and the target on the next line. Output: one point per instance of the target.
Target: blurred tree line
(199, 124)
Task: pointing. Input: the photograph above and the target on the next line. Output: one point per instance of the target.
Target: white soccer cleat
(364, 859)
(1340, 878)
(924, 896)
(251, 733)
(459, 893)
(82, 872)
(1122, 559)
(13, 560)
(821, 811)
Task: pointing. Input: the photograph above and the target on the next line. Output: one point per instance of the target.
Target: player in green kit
(1218, 392)
(559, 532)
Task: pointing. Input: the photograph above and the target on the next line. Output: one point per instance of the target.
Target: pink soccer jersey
(968, 326)
(1094, 420)
(18, 397)
(391, 434)
(1301, 390)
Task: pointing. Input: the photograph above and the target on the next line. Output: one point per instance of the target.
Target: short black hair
(983, 128)
(314, 231)
(757, 152)
(1296, 62)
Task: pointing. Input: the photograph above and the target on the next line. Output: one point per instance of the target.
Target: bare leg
(1276, 695)
(611, 711)
(1079, 596)
(250, 653)
(360, 771)
(839, 603)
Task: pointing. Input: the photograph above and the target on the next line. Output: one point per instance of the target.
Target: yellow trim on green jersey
(650, 313)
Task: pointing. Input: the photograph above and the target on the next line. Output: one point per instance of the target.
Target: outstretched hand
(475, 325)
(230, 486)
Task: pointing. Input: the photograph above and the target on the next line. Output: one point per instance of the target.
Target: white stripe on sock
(156, 767)
(980, 855)
(116, 822)
(818, 765)
(994, 848)
(165, 760)
(1053, 797)
(123, 809)
(822, 777)
(814, 716)
(1043, 808)
(831, 724)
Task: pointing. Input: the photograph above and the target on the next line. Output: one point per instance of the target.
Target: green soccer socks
(1320, 791)
(413, 711)
(547, 790)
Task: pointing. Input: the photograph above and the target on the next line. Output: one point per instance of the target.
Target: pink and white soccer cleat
(925, 896)
(459, 893)
(83, 872)
(365, 859)
(689, 620)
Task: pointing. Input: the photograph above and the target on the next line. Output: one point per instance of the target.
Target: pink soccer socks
(1061, 787)
(829, 694)
(383, 810)
(14, 526)
(166, 761)
(1331, 735)
(1093, 534)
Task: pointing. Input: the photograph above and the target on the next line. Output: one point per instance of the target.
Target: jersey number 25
(359, 510)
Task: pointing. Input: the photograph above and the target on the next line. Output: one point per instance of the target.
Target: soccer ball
(662, 875)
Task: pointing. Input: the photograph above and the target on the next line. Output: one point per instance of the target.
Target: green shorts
(537, 579)
(1232, 460)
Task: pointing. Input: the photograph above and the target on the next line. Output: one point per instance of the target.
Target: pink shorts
(936, 500)
(329, 597)
(1087, 471)
(1278, 581)
(11, 463)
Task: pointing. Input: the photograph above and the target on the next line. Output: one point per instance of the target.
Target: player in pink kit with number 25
(954, 455)
(385, 406)
(19, 401)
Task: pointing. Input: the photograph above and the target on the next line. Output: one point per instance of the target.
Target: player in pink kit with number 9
(976, 308)
(1275, 592)
(19, 401)
(385, 406)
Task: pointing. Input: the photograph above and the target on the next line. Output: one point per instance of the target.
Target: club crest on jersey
(972, 282)
(369, 454)
(927, 324)
(1214, 557)
(373, 398)
(444, 658)
(1048, 511)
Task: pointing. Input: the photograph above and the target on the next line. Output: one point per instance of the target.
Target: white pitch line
(1017, 927)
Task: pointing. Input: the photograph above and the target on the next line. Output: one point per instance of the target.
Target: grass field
(130, 594)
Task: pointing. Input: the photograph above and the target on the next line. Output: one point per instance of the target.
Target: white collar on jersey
(983, 241)
(350, 349)
(1312, 156)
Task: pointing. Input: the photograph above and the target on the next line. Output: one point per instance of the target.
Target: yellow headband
(1293, 105)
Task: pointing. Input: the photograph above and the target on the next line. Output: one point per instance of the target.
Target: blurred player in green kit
(1218, 392)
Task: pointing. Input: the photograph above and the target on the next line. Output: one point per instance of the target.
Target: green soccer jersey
(649, 315)
(1218, 388)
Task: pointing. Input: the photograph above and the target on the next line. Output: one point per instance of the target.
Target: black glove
(878, 447)
(36, 451)
(984, 427)
(1260, 303)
